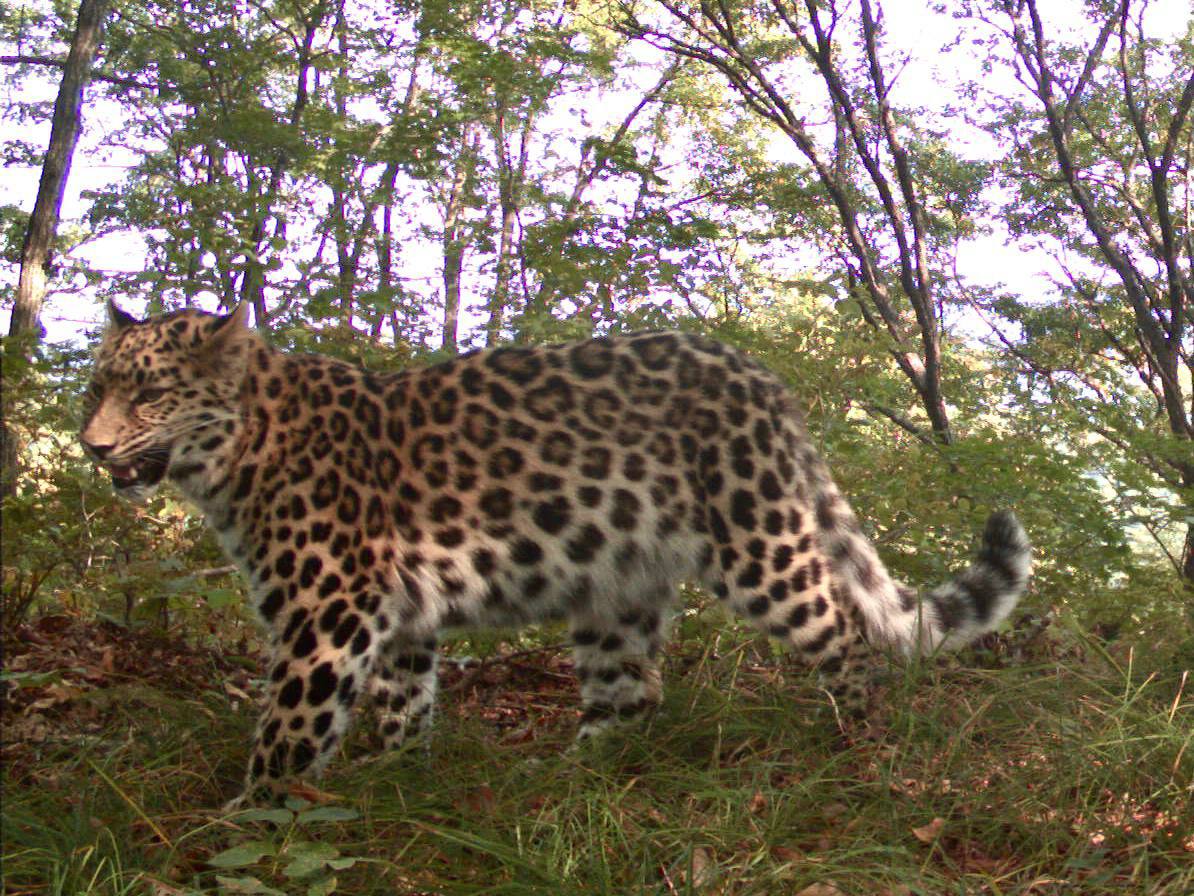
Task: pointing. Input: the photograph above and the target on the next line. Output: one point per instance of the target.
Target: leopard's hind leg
(403, 688)
(772, 572)
(616, 655)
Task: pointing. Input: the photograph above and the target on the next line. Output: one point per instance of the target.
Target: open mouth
(144, 470)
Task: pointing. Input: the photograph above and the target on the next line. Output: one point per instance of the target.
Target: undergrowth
(1065, 772)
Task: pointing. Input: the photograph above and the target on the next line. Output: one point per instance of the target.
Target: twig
(214, 572)
(474, 673)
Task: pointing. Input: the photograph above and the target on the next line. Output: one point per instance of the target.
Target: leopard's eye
(149, 396)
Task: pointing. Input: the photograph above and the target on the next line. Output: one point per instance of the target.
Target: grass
(1063, 774)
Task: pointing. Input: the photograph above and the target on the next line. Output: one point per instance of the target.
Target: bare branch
(1157, 333)
(54, 62)
(876, 409)
(712, 33)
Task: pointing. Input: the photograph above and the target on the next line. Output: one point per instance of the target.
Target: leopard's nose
(97, 450)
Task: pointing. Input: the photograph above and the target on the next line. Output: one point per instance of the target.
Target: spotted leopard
(582, 482)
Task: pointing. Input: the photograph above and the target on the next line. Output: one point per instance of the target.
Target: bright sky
(925, 80)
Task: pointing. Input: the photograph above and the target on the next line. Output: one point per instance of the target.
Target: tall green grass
(1064, 775)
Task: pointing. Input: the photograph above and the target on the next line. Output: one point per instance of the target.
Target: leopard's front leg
(319, 667)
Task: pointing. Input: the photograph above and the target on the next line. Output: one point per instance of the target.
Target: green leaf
(328, 813)
(322, 887)
(245, 885)
(274, 816)
(218, 598)
(307, 858)
(31, 679)
(244, 854)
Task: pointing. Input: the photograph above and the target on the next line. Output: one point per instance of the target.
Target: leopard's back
(517, 483)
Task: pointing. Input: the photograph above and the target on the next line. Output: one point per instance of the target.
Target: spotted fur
(581, 481)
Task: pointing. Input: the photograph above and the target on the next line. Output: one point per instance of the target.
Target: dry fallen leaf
(521, 735)
(820, 890)
(982, 863)
(929, 832)
(834, 811)
(480, 800)
(757, 804)
(784, 854)
(233, 691)
(160, 888)
(304, 791)
(1041, 882)
(55, 694)
(702, 866)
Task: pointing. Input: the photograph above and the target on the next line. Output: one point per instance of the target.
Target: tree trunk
(1188, 557)
(866, 124)
(64, 133)
(1187, 561)
(24, 329)
(385, 253)
(1150, 257)
(511, 181)
(252, 288)
(456, 239)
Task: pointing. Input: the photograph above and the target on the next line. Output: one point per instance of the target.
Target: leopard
(585, 482)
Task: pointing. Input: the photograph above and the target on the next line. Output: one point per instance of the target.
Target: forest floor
(1060, 767)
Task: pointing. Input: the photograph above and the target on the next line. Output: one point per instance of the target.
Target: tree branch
(54, 62)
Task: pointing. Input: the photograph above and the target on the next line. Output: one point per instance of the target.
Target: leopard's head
(164, 394)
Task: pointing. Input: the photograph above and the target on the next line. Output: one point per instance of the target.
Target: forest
(959, 230)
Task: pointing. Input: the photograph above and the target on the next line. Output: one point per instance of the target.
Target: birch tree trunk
(24, 329)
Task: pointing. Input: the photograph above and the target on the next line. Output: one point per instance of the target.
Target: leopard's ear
(225, 344)
(236, 319)
(226, 329)
(118, 318)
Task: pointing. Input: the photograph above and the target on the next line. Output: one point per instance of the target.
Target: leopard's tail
(949, 616)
